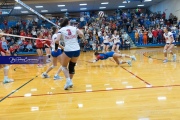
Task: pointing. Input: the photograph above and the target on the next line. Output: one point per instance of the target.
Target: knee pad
(52, 66)
(63, 68)
(6, 67)
(123, 55)
(165, 51)
(71, 67)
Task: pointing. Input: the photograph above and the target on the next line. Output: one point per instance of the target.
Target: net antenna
(35, 12)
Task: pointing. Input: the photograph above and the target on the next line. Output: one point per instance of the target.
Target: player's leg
(170, 50)
(107, 48)
(66, 57)
(104, 48)
(124, 55)
(54, 64)
(39, 52)
(6, 79)
(119, 62)
(165, 53)
(48, 54)
(117, 48)
(72, 65)
(113, 48)
(56, 76)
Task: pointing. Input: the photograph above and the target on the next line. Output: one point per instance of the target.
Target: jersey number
(69, 32)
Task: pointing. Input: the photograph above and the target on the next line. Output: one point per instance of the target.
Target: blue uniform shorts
(109, 54)
(56, 53)
(71, 54)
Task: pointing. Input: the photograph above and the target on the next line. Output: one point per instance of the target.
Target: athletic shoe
(57, 77)
(129, 63)
(165, 61)
(68, 85)
(8, 81)
(45, 75)
(48, 60)
(174, 57)
(133, 58)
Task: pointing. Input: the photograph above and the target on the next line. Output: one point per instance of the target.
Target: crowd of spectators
(147, 29)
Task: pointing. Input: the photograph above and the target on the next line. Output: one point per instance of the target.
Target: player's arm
(95, 60)
(2, 50)
(47, 45)
(81, 34)
(164, 37)
(109, 39)
(57, 41)
(62, 48)
(172, 38)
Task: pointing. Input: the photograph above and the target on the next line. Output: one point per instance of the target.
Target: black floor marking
(17, 89)
(150, 56)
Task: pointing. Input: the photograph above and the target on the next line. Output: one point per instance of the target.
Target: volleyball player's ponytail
(54, 28)
(65, 22)
(96, 53)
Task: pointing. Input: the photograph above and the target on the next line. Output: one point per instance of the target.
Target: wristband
(56, 46)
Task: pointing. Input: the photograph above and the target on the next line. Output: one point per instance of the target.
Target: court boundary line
(147, 83)
(96, 91)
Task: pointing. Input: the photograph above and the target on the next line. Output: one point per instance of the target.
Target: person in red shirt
(164, 15)
(155, 35)
(6, 67)
(39, 45)
(22, 33)
(12, 50)
(29, 34)
(47, 46)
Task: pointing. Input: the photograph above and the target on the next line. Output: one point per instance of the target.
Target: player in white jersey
(106, 43)
(6, 67)
(56, 56)
(170, 42)
(116, 40)
(71, 50)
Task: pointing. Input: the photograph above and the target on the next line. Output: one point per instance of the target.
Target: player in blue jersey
(115, 56)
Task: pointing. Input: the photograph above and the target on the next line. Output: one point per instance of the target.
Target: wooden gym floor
(149, 90)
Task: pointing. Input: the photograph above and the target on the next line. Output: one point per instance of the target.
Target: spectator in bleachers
(155, 35)
(12, 50)
(124, 36)
(29, 47)
(4, 44)
(140, 38)
(136, 36)
(150, 36)
(34, 33)
(86, 46)
(177, 34)
(161, 22)
(160, 35)
(145, 37)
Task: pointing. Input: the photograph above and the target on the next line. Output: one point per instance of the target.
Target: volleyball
(101, 14)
